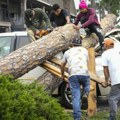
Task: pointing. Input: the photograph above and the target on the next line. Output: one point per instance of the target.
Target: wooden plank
(57, 61)
(55, 73)
(53, 69)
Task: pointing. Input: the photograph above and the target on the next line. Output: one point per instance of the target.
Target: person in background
(111, 67)
(36, 20)
(58, 16)
(89, 19)
(77, 59)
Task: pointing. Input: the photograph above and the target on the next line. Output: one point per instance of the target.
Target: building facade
(12, 12)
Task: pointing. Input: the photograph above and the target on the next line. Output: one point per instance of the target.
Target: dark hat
(77, 41)
(28, 13)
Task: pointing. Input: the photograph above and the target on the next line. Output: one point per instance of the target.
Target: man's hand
(77, 27)
(105, 84)
(50, 29)
(37, 32)
(63, 78)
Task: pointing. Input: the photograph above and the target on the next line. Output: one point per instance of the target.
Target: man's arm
(62, 68)
(45, 18)
(105, 69)
(106, 73)
(29, 25)
(77, 20)
(63, 63)
(68, 19)
(90, 19)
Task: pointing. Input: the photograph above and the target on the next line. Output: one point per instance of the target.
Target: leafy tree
(111, 6)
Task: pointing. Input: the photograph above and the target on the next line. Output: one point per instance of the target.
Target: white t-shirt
(76, 58)
(111, 58)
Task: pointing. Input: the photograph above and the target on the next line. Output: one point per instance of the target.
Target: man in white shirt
(77, 59)
(111, 65)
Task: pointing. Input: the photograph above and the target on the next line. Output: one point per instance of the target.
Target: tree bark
(50, 82)
(66, 5)
(28, 57)
(107, 24)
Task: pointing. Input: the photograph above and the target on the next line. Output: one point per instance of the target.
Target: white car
(11, 41)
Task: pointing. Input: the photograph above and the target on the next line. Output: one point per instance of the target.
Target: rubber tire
(63, 100)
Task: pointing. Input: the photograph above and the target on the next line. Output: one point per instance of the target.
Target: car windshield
(5, 43)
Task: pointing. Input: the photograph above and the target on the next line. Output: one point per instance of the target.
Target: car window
(5, 43)
(22, 41)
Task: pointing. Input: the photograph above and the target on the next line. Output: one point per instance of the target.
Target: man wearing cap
(77, 59)
(111, 68)
(36, 20)
(89, 19)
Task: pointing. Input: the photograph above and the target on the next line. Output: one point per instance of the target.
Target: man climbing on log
(58, 16)
(37, 23)
(77, 59)
(89, 19)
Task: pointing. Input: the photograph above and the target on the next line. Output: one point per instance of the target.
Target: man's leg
(85, 81)
(98, 31)
(113, 99)
(31, 35)
(75, 89)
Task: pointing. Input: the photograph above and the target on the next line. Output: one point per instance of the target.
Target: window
(5, 43)
(22, 41)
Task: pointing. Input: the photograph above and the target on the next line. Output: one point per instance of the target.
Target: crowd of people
(37, 20)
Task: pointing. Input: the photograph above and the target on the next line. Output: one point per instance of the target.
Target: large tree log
(28, 57)
(107, 24)
(49, 81)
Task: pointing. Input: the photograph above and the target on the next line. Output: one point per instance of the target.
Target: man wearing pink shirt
(89, 19)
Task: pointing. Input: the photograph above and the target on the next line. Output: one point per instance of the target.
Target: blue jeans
(75, 81)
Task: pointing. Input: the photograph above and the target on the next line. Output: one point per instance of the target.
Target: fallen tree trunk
(49, 81)
(28, 57)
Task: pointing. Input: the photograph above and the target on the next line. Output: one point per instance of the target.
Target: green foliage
(27, 102)
(111, 6)
(103, 115)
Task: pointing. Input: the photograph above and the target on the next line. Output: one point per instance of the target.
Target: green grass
(101, 115)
